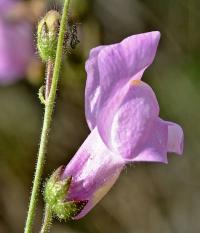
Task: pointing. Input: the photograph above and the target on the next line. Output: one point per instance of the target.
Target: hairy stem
(47, 220)
(49, 106)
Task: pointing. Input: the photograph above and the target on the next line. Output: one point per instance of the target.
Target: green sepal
(68, 210)
(55, 196)
(56, 189)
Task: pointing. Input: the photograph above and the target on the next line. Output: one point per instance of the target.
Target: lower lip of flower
(101, 192)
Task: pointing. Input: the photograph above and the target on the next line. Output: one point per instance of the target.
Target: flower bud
(55, 194)
(47, 35)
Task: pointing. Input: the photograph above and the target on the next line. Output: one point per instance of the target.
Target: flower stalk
(49, 107)
(47, 220)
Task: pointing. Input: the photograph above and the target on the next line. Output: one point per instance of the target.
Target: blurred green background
(148, 198)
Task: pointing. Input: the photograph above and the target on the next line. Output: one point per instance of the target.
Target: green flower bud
(47, 35)
(55, 195)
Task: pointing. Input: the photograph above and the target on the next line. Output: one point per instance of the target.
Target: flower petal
(113, 66)
(154, 149)
(94, 170)
(127, 120)
(175, 138)
(92, 89)
(121, 62)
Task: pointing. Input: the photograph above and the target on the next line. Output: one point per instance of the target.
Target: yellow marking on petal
(136, 82)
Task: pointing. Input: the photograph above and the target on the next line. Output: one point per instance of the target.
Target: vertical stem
(47, 122)
(47, 220)
(49, 75)
(39, 166)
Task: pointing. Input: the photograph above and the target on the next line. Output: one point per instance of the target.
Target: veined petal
(109, 68)
(127, 60)
(127, 119)
(92, 89)
(94, 170)
(154, 149)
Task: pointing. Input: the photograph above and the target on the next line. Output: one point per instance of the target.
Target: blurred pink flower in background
(16, 44)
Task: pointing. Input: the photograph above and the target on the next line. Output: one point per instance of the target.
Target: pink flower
(16, 44)
(123, 115)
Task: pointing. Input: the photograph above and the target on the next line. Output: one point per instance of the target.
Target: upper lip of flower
(124, 110)
(111, 67)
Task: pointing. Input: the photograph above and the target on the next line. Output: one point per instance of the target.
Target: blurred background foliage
(148, 198)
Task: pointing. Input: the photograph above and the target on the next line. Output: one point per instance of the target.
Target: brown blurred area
(148, 198)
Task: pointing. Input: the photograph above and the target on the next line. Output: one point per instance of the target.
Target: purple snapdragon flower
(123, 115)
(16, 44)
